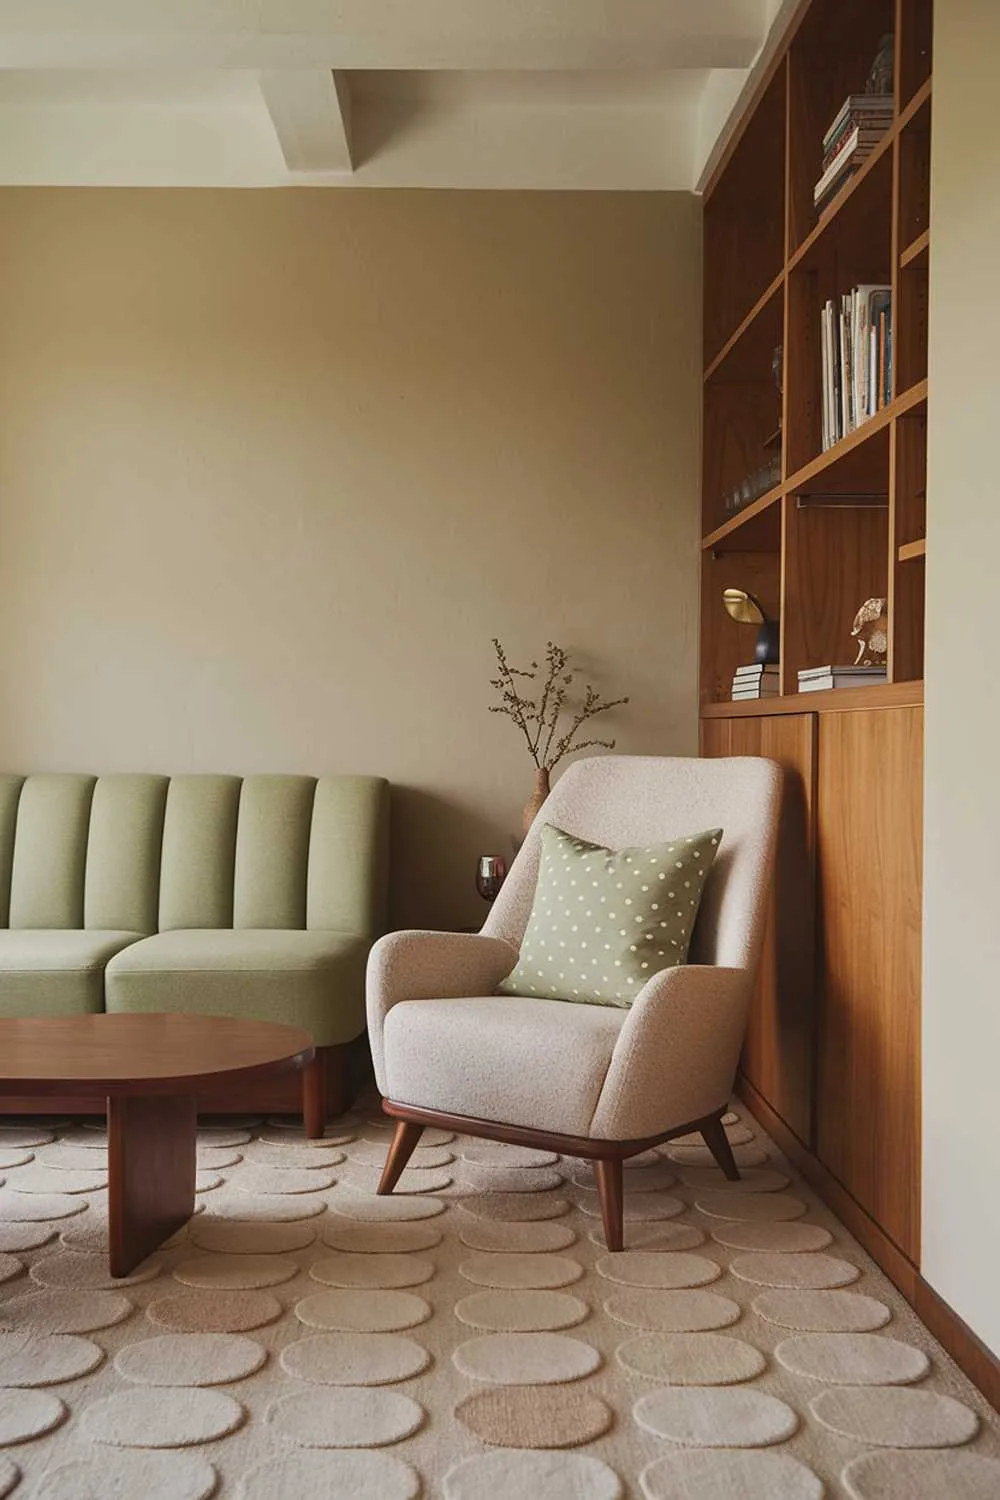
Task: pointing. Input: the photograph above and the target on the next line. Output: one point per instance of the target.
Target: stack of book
(856, 344)
(860, 123)
(818, 679)
(756, 681)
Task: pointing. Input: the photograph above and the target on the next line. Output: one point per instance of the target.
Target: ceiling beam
(311, 114)
(264, 35)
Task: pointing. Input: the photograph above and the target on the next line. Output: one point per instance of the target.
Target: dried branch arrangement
(551, 719)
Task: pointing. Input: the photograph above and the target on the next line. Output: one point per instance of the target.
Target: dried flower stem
(539, 719)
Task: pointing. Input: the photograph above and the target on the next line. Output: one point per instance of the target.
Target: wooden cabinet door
(869, 861)
(778, 1054)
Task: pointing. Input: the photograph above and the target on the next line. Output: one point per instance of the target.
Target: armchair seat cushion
(311, 979)
(56, 971)
(505, 1058)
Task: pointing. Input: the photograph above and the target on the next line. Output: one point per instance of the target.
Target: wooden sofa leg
(314, 1096)
(715, 1138)
(609, 1190)
(404, 1141)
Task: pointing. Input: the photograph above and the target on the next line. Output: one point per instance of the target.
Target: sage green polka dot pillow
(604, 922)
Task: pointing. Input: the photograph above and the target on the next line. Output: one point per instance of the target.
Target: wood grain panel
(869, 830)
(834, 558)
(151, 1174)
(739, 417)
(778, 1055)
(830, 701)
(744, 220)
(915, 31)
(907, 524)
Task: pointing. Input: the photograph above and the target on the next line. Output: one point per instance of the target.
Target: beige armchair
(589, 1081)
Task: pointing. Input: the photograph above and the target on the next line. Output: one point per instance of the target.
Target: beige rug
(470, 1339)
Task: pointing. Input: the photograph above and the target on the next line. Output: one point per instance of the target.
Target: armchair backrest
(620, 801)
(144, 853)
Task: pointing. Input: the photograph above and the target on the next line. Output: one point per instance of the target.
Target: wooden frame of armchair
(608, 1157)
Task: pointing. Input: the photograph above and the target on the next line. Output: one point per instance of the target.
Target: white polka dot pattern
(603, 922)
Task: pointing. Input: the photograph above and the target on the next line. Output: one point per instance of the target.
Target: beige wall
(961, 1025)
(275, 466)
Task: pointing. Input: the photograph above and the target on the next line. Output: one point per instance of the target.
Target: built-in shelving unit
(840, 525)
(831, 1060)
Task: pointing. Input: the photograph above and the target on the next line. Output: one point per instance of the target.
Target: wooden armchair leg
(715, 1138)
(609, 1191)
(314, 1097)
(404, 1142)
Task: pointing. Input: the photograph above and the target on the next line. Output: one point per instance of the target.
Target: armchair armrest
(430, 966)
(676, 1055)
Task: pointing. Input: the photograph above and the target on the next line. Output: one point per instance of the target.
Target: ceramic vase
(536, 799)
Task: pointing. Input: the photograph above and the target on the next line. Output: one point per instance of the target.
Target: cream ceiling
(408, 93)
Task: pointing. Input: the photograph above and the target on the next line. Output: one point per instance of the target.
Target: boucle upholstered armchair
(591, 1081)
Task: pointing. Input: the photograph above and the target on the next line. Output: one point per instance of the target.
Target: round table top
(134, 1054)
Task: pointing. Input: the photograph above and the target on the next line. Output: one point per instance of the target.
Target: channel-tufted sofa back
(145, 854)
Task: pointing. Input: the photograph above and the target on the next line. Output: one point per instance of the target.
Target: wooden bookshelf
(831, 1058)
(838, 525)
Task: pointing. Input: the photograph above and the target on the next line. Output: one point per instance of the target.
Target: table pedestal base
(151, 1173)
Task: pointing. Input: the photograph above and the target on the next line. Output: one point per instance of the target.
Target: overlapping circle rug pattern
(469, 1337)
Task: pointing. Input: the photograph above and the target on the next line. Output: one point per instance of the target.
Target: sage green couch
(210, 895)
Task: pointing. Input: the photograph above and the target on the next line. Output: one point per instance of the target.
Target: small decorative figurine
(871, 627)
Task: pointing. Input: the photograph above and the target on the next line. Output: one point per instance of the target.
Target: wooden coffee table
(149, 1070)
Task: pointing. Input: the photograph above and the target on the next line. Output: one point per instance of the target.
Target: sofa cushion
(56, 971)
(50, 851)
(503, 1058)
(310, 979)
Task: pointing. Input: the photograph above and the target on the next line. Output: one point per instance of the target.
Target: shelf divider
(916, 250)
(748, 513)
(833, 700)
(903, 403)
(734, 338)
